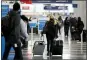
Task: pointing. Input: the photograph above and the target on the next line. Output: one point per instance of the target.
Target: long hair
(51, 20)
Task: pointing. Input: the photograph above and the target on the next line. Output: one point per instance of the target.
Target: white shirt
(24, 33)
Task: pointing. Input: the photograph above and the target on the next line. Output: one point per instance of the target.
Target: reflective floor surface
(72, 49)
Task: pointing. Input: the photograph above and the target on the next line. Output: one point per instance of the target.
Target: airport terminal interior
(39, 12)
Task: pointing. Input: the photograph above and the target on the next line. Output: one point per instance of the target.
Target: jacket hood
(12, 13)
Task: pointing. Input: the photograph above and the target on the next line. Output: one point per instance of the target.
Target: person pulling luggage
(50, 31)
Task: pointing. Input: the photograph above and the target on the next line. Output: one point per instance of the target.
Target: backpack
(6, 25)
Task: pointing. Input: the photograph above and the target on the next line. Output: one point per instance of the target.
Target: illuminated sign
(56, 8)
(46, 1)
(25, 7)
(51, 1)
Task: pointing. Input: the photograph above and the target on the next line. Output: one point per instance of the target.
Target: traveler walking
(73, 26)
(50, 31)
(66, 26)
(12, 38)
(80, 26)
(60, 24)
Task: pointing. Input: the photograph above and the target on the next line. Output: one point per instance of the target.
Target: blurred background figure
(28, 26)
(66, 26)
(60, 24)
(24, 34)
(80, 26)
(56, 27)
(73, 25)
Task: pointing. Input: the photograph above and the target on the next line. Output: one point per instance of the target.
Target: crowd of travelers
(15, 30)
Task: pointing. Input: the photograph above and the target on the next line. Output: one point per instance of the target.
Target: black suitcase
(57, 47)
(84, 35)
(77, 36)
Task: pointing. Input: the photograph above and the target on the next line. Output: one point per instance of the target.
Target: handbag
(45, 29)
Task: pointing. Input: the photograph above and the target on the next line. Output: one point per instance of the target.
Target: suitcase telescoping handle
(60, 42)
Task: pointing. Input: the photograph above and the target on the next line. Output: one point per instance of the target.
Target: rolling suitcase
(77, 36)
(84, 35)
(38, 48)
(57, 47)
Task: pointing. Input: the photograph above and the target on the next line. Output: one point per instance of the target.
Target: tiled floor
(71, 49)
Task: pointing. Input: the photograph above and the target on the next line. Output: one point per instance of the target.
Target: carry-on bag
(84, 35)
(77, 36)
(38, 47)
(57, 47)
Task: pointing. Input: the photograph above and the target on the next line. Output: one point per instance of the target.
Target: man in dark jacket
(13, 38)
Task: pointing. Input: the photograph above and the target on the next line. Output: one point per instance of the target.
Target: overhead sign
(51, 1)
(26, 1)
(25, 7)
(56, 8)
(46, 1)
(75, 5)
